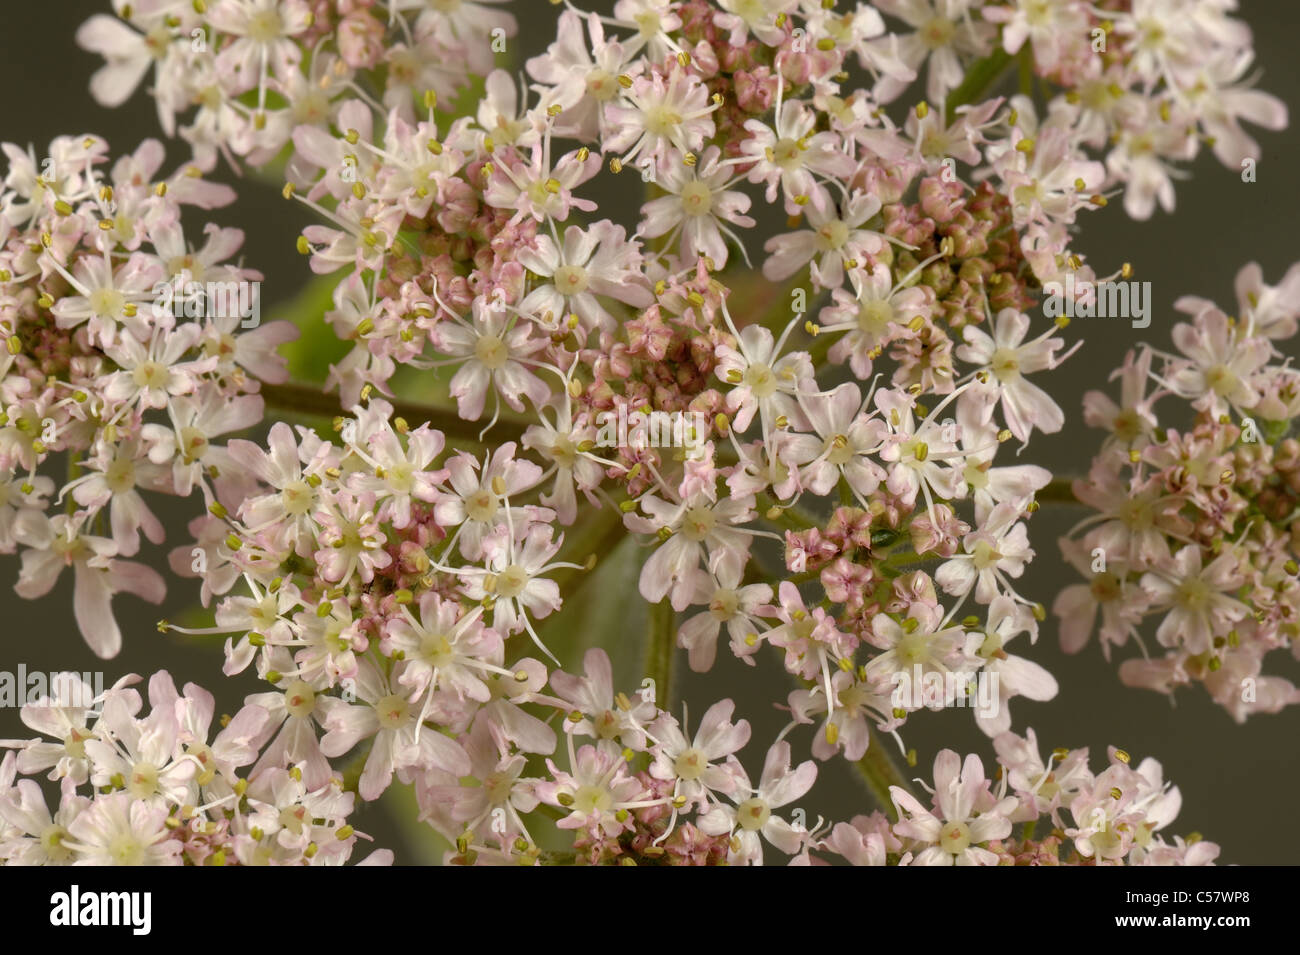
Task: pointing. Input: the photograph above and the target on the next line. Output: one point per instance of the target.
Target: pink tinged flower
(593, 263)
(18, 494)
(695, 529)
(263, 44)
(1197, 597)
(145, 756)
(991, 486)
(466, 26)
(810, 638)
(598, 792)
(479, 497)
(1051, 182)
(916, 642)
(286, 815)
(1271, 310)
(1044, 25)
(1015, 676)
(287, 510)
(107, 297)
(292, 717)
(877, 312)
(63, 715)
(574, 469)
(446, 648)
(835, 240)
(30, 189)
(208, 537)
(791, 156)
(698, 204)
(153, 375)
(965, 815)
(535, 189)
(690, 762)
(843, 445)
(729, 605)
(413, 169)
(189, 448)
(262, 619)
(762, 380)
(762, 18)
(394, 722)
(846, 723)
(119, 829)
(1140, 161)
(1042, 787)
(236, 745)
(592, 696)
(128, 56)
(997, 549)
(401, 474)
(315, 149)
(57, 543)
(33, 836)
(581, 76)
(351, 538)
(754, 816)
(921, 457)
(330, 639)
(499, 793)
(945, 34)
(1132, 422)
(1221, 102)
(1006, 358)
(866, 840)
(1121, 602)
(663, 115)
(493, 352)
(1221, 364)
(514, 577)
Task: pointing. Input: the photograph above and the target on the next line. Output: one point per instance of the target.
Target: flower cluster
(159, 789)
(1109, 818)
(1197, 525)
(841, 503)
(129, 351)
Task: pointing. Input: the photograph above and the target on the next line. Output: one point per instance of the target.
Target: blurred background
(1221, 223)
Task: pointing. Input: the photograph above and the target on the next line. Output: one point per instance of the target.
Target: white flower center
(698, 523)
(752, 814)
(299, 699)
(571, 279)
(491, 351)
(690, 765)
(955, 837)
(512, 581)
(393, 712)
(697, 199)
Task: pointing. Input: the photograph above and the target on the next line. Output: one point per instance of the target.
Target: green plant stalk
(307, 400)
(1059, 491)
(879, 771)
(980, 78)
(661, 640)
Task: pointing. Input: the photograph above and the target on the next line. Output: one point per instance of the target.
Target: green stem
(307, 400)
(880, 772)
(1025, 61)
(792, 518)
(661, 640)
(596, 533)
(1059, 491)
(352, 772)
(980, 79)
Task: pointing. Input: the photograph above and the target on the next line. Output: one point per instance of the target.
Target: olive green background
(1237, 781)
